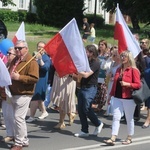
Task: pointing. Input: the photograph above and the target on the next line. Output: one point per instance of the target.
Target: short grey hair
(22, 41)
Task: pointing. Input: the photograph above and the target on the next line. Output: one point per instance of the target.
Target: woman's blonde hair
(130, 58)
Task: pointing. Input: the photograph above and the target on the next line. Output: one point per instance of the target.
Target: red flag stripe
(126, 40)
(14, 40)
(20, 34)
(61, 58)
(120, 36)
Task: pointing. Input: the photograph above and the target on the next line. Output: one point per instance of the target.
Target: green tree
(59, 12)
(137, 10)
(7, 2)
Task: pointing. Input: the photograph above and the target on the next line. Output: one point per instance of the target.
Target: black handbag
(142, 94)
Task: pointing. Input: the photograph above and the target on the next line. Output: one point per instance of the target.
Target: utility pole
(95, 10)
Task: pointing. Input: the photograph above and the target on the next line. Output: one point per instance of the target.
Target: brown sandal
(127, 142)
(110, 142)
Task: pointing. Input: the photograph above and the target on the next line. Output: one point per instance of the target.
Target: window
(99, 7)
(21, 3)
(89, 5)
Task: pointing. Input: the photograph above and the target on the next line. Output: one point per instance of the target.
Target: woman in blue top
(100, 98)
(39, 94)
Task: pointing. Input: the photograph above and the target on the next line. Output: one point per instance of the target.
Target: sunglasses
(123, 56)
(142, 42)
(19, 48)
(9, 53)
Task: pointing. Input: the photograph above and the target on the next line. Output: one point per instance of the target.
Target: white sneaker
(30, 119)
(44, 115)
(98, 129)
(4, 127)
(81, 134)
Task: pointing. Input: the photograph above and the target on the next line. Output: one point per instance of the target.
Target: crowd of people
(37, 85)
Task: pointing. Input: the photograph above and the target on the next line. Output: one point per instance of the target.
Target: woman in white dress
(110, 74)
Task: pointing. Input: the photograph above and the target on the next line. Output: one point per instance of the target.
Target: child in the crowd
(92, 33)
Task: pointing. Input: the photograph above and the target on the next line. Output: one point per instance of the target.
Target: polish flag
(67, 51)
(126, 40)
(20, 35)
(5, 79)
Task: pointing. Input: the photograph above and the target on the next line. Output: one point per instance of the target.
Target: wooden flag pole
(30, 60)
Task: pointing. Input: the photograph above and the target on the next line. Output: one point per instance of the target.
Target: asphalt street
(43, 136)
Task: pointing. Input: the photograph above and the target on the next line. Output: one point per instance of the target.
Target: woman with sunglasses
(115, 63)
(7, 108)
(126, 79)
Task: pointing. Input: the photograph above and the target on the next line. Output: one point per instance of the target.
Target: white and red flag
(67, 51)
(5, 79)
(126, 40)
(20, 34)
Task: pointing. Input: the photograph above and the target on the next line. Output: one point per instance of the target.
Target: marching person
(24, 72)
(126, 79)
(86, 94)
(7, 108)
(41, 86)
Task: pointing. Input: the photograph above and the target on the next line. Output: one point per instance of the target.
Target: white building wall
(20, 5)
(90, 5)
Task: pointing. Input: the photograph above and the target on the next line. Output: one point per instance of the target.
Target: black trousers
(137, 112)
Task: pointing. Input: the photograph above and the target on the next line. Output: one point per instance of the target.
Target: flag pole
(29, 60)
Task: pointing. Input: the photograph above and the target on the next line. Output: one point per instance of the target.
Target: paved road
(43, 137)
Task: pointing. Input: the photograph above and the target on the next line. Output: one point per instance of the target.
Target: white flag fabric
(20, 34)
(67, 50)
(5, 79)
(122, 33)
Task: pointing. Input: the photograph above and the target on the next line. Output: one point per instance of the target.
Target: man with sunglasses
(24, 72)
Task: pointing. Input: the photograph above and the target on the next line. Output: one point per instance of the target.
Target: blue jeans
(85, 99)
(91, 39)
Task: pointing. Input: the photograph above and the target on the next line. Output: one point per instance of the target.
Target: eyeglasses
(9, 53)
(19, 48)
(142, 42)
(123, 56)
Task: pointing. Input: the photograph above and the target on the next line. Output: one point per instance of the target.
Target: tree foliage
(137, 10)
(59, 12)
(7, 2)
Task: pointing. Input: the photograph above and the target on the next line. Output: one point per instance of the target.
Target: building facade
(25, 5)
(89, 7)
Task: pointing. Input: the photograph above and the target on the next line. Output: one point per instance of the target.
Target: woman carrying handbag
(126, 79)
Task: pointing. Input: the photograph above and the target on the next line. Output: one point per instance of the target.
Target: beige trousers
(20, 105)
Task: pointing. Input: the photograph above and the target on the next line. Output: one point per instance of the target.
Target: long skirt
(63, 93)
(101, 96)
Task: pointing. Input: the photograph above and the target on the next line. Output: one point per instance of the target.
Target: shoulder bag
(142, 94)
